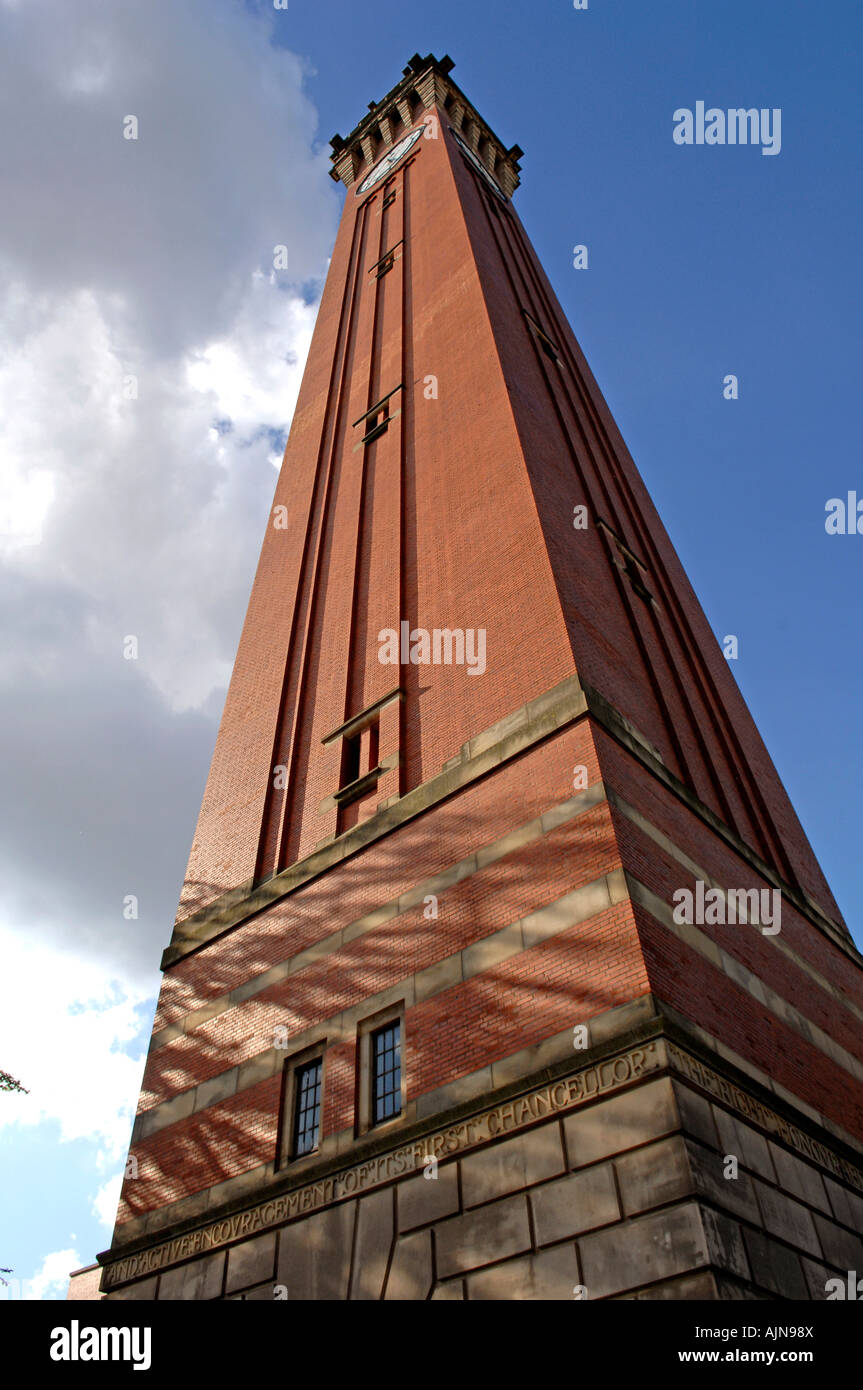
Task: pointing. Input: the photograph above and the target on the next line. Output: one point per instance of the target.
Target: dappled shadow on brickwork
(519, 985)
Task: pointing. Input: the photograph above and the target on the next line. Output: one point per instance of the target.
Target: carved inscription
(747, 1105)
(507, 1118)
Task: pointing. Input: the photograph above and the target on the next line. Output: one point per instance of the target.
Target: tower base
(654, 1165)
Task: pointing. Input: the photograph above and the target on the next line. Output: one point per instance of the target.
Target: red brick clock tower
(503, 968)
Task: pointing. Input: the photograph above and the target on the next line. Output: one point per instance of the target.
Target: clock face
(390, 160)
(478, 164)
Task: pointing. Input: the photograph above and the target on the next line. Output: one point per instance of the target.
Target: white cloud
(146, 513)
(64, 1029)
(107, 1199)
(51, 1280)
(24, 499)
(130, 513)
(137, 515)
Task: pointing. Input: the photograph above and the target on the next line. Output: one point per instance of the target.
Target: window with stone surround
(377, 418)
(360, 752)
(300, 1129)
(362, 763)
(381, 1089)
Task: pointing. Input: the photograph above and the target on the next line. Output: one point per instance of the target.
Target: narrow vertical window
(633, 574)
(634, 569)
(351, 760)
(548, 347)
(386, 1069)
(378, 422)
(369, 751)
(387, 260)
(377, 418)
(307, 1108)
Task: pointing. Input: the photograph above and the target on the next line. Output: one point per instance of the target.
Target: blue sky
(703, 261)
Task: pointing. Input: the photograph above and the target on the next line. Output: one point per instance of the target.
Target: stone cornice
(504, 740)
(425, 84)
(565, 703)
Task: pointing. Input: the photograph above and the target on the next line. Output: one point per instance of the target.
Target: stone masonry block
(725, 1243)
(787, 1219)
(840, 1247)
(250, 1263)
(847, 1206)
(747, 1145)
(450, 1292)
(141, 1291)
(774, 1266)
(817, 1279)
(315, 1255)
(549, 1277)
(480, 1237)
(374, 1240)
(201, 1279)
(653, 1175)
(614, 1125)
(736, 1194)
(574, 1204)
(799, 1178)
(696, 1115)
(410, 1275)
(700, 1287)
(422, 1199)
(516, 1163)
(651, 1248)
